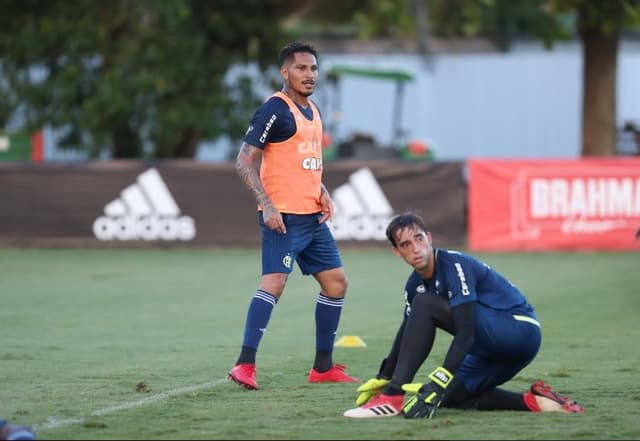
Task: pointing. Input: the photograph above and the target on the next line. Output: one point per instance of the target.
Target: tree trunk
(423, 33)
(126, 144)
(188, 143)
(600, 58)
(183, 146)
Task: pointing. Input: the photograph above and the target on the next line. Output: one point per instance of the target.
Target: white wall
(524, 103)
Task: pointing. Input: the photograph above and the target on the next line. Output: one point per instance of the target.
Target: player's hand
(273, 219)
(328, 207)
(370, 389)
(426, 397)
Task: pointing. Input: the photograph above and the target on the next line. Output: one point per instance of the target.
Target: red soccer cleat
(542, 389)
(378, 407)
(334, 375)
(244, 375)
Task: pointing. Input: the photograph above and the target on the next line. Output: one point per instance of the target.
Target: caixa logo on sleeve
(144, 211)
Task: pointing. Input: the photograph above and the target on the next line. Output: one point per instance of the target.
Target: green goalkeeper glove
(427, 397)
(376, 385)
(370, 389)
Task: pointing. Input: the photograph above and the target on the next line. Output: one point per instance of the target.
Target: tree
(149, 78)
(597, 23)
(142, 78)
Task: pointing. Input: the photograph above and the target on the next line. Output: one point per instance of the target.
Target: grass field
(81, 328)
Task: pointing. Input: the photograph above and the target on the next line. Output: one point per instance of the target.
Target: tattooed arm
(248, 168)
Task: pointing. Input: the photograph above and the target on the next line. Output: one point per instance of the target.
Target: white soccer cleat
(378, 407)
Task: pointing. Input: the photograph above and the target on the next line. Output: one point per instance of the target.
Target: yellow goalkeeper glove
(427, 397)
(370, 389)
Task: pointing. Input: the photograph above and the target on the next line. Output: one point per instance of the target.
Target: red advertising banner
(584, 204)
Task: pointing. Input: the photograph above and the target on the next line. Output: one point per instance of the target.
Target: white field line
(53, 423)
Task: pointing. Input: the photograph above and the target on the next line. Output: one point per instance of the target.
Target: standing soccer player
(495, 332)
(280, 162)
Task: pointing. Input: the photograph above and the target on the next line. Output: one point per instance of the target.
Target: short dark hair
(402, 221)
(287, 52)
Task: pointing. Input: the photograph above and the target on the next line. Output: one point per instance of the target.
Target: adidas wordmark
(144, 211)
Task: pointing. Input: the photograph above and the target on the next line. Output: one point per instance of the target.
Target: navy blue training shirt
(281, 128)
(462, 278)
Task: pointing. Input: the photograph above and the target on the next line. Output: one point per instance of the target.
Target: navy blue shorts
(505, 342)
(306, 242)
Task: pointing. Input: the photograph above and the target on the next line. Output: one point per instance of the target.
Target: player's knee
(333, 283)
(343, 284)
(457, 396)
(336, 289)
(273, 283)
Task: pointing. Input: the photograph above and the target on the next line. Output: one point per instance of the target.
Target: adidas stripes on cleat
(334, 375)
(244, 375)
(542, 389)
(379, 406)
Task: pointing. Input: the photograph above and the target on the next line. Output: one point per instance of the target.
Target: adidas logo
(144, 211)
(362, 210)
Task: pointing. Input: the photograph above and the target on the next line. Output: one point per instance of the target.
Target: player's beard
(306, 94)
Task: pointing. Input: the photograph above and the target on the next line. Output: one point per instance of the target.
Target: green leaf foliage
(139, 79)
(150, 78)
